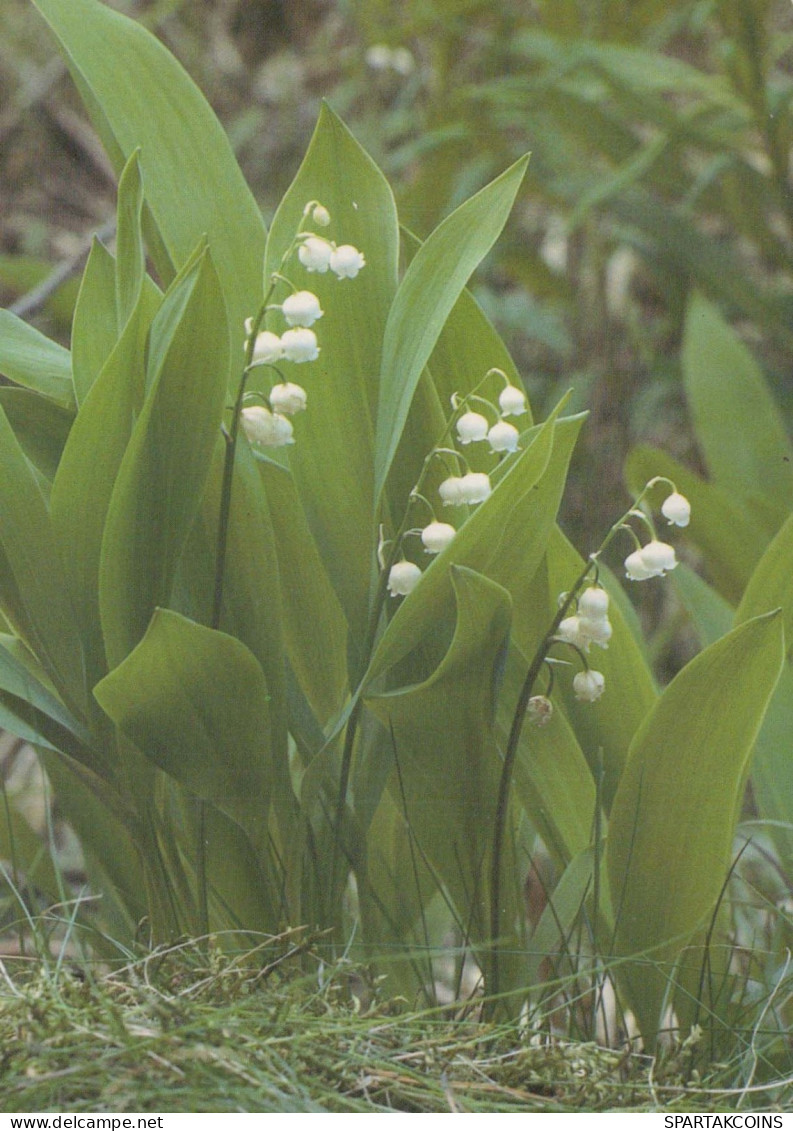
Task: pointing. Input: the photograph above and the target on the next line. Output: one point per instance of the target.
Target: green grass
(183, 1030)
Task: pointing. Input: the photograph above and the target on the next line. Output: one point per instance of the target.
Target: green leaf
(674, 814)
(41, 426)
(429, 290)
(711, 614)
(31, 586)
(138, 95)
(30, 359)
(130, 253)
(195, 701)
(332, 463)
(111, 402)
(444, 744)
(771, 584)
(315, 631)
(95, 324)
(743, 437)
(162, 476)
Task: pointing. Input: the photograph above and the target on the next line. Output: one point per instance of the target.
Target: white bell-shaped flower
(676, 509)
(569, 632)
(475, 487)
(403, 578)
(288, 398)
(471, 426)
(451, 492)
(589, 686)
(635, 568)
(659, 557)
(653, 560)
(503, 437)
(314, 253)
(596, 630)
(539, 710)
(300, 344)
(593, 602)
(269, 429)
(267, 349)
(512, 401)
(346, 261)
(437, 536)
(301, 309)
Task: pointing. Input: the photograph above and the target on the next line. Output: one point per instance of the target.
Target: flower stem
(511, 751)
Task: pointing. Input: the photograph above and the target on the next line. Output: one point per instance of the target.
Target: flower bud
(450, 491)
(539, 710)
(301, 309)
(320, 216)
(676, 509)
(314, 253)
(471, 426)
(261, 426)
(267, 349)
(589, 686)
(403, 578)
(437, 536)
(475, 487)
(346, 261)
(512, 401)
(300, 344)
(503, 437)
(288, 398)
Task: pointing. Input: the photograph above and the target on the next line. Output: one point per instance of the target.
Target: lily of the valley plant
(282, 587)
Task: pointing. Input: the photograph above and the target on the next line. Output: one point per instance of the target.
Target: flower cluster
(656, 558)
(502, 436)
(269, 425)
(468, 489)
(589, 624)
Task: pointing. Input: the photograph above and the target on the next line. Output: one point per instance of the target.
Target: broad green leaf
(195, 701)
(743, 437)
(315, 631)
(130, 253)
(31, 586)
(771, 584)
(674, 813)
(162, 475)
(429, 290)
(21, 677)
(138, 95)
(504, 538)
(331, 460)
(445, 747)
(251, 608)
(770, 587)
(95, 323)
(41, 426)
(710, 613)
(731, 537)
(32, 360)
(81, 493)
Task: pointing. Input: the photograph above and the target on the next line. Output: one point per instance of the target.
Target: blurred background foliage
(660, 133)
